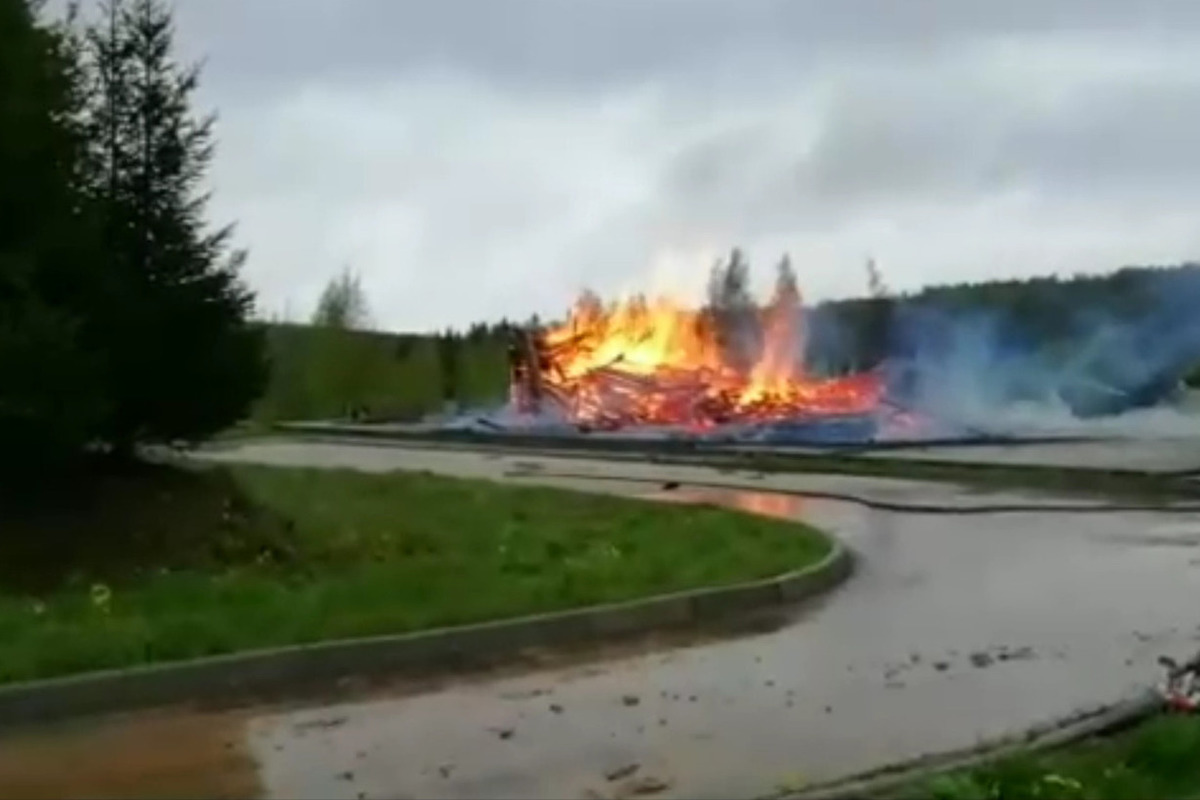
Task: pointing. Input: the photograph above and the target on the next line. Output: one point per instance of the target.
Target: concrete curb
(765, 459)
(1167, 505)
(886, 781)
(432, 433)
(294, 669)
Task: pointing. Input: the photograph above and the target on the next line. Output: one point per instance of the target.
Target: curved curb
(433, 434)
(798, 453)
(276, 670)
(781, 460)
(1170, 504)
(886, 780)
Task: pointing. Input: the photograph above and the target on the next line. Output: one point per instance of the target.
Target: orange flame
(660, 362)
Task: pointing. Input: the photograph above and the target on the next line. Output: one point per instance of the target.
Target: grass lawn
(1159, 758)
(161, 563)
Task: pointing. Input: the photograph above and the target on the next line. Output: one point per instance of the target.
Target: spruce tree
(731, 312)
(448, 346)
(184, 359)
(51, 399)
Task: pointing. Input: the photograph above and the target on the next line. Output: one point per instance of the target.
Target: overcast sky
(476, 159)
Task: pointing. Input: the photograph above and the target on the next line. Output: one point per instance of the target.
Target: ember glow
(659, 362)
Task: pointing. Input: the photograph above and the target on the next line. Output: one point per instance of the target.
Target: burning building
(658, 362)
(915, 370)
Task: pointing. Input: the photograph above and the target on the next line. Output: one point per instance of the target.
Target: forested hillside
(1142, 314)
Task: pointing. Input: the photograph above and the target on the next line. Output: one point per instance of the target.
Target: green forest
(331, 369)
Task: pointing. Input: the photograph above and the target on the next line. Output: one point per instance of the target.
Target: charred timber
(527, 360)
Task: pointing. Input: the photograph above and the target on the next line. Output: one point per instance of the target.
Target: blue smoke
(1089, 353)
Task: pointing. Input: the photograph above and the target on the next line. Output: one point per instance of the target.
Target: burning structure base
(735, 371)
(538, 404)
(538, 409)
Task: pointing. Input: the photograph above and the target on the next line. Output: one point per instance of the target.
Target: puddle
(779, 506)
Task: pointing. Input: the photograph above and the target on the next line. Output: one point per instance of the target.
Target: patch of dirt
(158, 756)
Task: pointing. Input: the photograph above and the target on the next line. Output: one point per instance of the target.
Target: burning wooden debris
(659, 363)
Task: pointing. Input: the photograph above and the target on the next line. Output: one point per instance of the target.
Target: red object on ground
(1182, 703)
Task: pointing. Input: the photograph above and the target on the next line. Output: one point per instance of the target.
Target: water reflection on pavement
(952, 629)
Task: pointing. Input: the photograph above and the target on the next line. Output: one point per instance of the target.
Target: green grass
(166, 564)
(1159, 758)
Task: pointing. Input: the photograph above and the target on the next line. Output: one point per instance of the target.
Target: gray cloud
(477, 159)
(573, 42)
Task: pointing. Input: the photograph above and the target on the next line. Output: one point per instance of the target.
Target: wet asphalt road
(954, 628)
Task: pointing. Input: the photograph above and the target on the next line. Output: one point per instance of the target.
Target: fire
(659, 362)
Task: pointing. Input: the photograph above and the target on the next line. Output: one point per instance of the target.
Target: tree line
(124, 320)
(1137, 321)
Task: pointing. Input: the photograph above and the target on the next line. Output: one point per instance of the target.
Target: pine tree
(448, 345)
(787, 286)
(731, 313)
(184, 359)
(51, 399)
(782, 326)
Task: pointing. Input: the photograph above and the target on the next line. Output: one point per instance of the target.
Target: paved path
(955, 627)
(1156, 441)
(1155, 455)
(617, 475)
